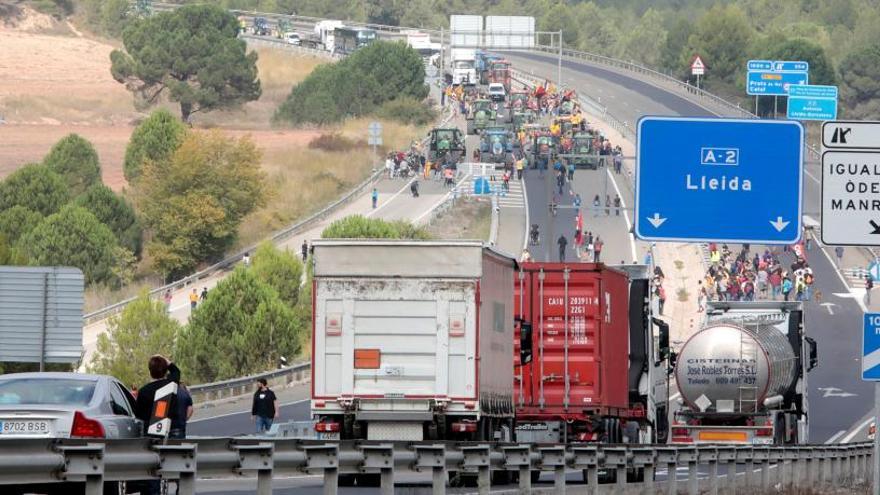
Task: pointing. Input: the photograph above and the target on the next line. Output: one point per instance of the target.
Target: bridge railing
(687, 469)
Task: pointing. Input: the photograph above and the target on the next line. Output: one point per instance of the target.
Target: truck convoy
(416, 344)
(743, 377)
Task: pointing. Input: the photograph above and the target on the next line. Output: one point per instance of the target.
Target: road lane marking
(835, 437)
(242, 412)
(675, 396)
(442, 200)
(856, 430)
(632, 240)
(388, 201)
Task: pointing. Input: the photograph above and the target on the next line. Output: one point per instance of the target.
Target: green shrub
(407, 110)
(356, 86)
(335, 141)
(361, 227)
(75, 159)
(36, 188)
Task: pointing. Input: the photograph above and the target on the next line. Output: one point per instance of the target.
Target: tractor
(522, 118)
(579, 150)
(446, 147)
(517, 101)
(482, 115)
(543, 149)
(496, 145)
(261, 27)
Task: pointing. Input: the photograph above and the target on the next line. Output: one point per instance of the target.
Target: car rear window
(46, 391)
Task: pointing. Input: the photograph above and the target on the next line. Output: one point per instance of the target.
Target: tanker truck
(743, 376)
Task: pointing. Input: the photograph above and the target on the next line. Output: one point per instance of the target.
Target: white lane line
(632, 239)
(857, 430)
(442, 200)
(675, 396)
(388, 201)
(526, 202)
(858, 300)
(835, 437)
(240, 412)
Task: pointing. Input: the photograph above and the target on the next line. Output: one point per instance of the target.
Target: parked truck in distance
(324, 31)
(461, 67)
(743, 376)
(412, 340)
(590, 364)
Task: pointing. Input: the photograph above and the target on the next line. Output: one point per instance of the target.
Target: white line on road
(856, 430)
(632, 240)
(836, 436)
(389, 200)
(675, 396)
(442, 200)
(858, 300)
(239, 412)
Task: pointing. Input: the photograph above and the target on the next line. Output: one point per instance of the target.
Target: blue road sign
(784, 66)
(766, 83)
(760, 65)
(871, 348)
(812, 102)
(726, 180)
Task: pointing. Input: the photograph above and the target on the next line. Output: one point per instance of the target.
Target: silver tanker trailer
(743, 376)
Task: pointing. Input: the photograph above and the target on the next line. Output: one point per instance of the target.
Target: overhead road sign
(806, 102)
(725, 180)
(871, 347)
(851, 183)
(774, 77)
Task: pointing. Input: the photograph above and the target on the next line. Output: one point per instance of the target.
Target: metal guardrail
(245, 385)
(719, 469)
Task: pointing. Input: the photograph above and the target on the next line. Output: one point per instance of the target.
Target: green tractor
(582, 153)
(446, 146)
(544, 149)
(518, 101)
(523, 118)
(496, 145)
(482, 115)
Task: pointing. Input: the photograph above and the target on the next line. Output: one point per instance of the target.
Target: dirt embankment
(55, 81)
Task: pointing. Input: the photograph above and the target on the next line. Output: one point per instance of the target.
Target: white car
(497, 92)
(293, 39)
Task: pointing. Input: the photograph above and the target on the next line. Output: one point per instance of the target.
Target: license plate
(328, 435)
(25, 427)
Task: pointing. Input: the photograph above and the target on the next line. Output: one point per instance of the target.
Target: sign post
(871, 373)
(698, 68)
(374, 138)
(850, 192)
(704, 180)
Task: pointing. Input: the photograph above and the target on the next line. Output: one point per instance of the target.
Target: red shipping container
(577, 315)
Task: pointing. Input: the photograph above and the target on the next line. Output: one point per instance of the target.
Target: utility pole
(559, 65)
(442, 66)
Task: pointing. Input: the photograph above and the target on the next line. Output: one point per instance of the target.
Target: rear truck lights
(327, 427)
(464, 427)
(85, 427)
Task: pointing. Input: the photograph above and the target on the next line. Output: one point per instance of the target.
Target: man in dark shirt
(184, 412)
(163, 372)
(265, 406)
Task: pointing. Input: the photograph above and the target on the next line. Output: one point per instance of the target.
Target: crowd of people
(745, 275)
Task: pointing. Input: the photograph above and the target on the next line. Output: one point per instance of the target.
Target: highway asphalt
(839, 400)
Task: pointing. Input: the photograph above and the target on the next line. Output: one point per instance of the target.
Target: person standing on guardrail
(193, 299)
(265, 406)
